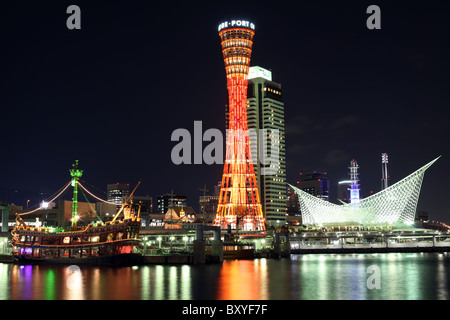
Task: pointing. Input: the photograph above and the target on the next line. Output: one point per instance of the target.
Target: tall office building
(208, 202)
(343, 190)
(117, 192)
(292, 205)
(167, 200)
(265, 110)
(145, 202)
(316, 184)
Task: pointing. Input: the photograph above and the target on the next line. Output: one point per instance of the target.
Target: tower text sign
(236, 23)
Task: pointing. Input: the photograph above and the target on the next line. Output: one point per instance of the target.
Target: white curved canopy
(394, 205)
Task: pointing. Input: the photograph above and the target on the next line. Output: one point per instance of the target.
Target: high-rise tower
(239, 204)
(117, 192)
(265, 111)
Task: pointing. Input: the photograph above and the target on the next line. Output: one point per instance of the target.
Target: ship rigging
(110, 242)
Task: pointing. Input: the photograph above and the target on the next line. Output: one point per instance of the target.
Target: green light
(50, 281)
(75, 174)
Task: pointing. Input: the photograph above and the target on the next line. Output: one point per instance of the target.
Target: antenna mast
(384, 171)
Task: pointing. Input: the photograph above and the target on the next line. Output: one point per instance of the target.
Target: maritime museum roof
(395, 205)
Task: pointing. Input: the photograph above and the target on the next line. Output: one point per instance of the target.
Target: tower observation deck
(239, 204)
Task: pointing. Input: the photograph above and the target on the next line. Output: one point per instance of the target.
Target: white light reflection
(263, 276)
(441, 279)
(186, 283)
(145, 283)
(159, 282)
(173, 283)
(4, 281)
(74, 283)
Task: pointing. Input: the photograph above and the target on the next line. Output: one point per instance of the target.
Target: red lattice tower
(239, 203)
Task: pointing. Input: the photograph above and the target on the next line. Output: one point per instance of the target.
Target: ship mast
(75, 174)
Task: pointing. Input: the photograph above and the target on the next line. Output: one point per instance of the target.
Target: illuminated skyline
(134, 73)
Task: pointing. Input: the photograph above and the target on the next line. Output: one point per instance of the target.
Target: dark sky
(112, 93)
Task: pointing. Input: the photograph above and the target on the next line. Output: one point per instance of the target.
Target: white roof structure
(394, 205)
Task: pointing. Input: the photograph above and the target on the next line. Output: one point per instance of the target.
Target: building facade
(165, 201)
(316, 184)
(265, 114)
(117, 192)
(343, 191)
(145, 202)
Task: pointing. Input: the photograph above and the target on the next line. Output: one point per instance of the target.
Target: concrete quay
(369, 250)
(6, 258)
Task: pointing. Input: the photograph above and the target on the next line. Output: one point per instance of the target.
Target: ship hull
(112, 243)
(125, 259)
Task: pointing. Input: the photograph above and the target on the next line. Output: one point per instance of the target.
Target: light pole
(159, 240)
(171, 240)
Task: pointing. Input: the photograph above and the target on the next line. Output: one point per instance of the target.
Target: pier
(199, 246)
(205, 244)
(283, 244)
(407, 240)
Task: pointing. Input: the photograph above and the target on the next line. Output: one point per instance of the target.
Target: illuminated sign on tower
(239, 204)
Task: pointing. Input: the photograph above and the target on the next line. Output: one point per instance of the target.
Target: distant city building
(316, 184)
(106, 211)
(343, 191)
(422, 216)
(117, 192)
(293, 216)
(208, 204)
(293, 207)
(164, 202)
(217, 188)
(145, 202)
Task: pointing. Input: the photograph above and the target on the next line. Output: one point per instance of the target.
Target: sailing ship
(110, 243)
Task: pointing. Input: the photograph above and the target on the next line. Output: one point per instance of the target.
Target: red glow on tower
(239, 203)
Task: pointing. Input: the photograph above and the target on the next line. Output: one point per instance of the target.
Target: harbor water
(400, 276)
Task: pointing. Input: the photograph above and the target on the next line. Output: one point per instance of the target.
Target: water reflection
(409, 276)
(243, 280)
(441, 280)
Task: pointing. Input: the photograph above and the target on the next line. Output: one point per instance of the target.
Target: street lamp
(171, 239)
(159, 240)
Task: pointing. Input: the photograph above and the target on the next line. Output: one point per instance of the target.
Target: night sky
(112, 93)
